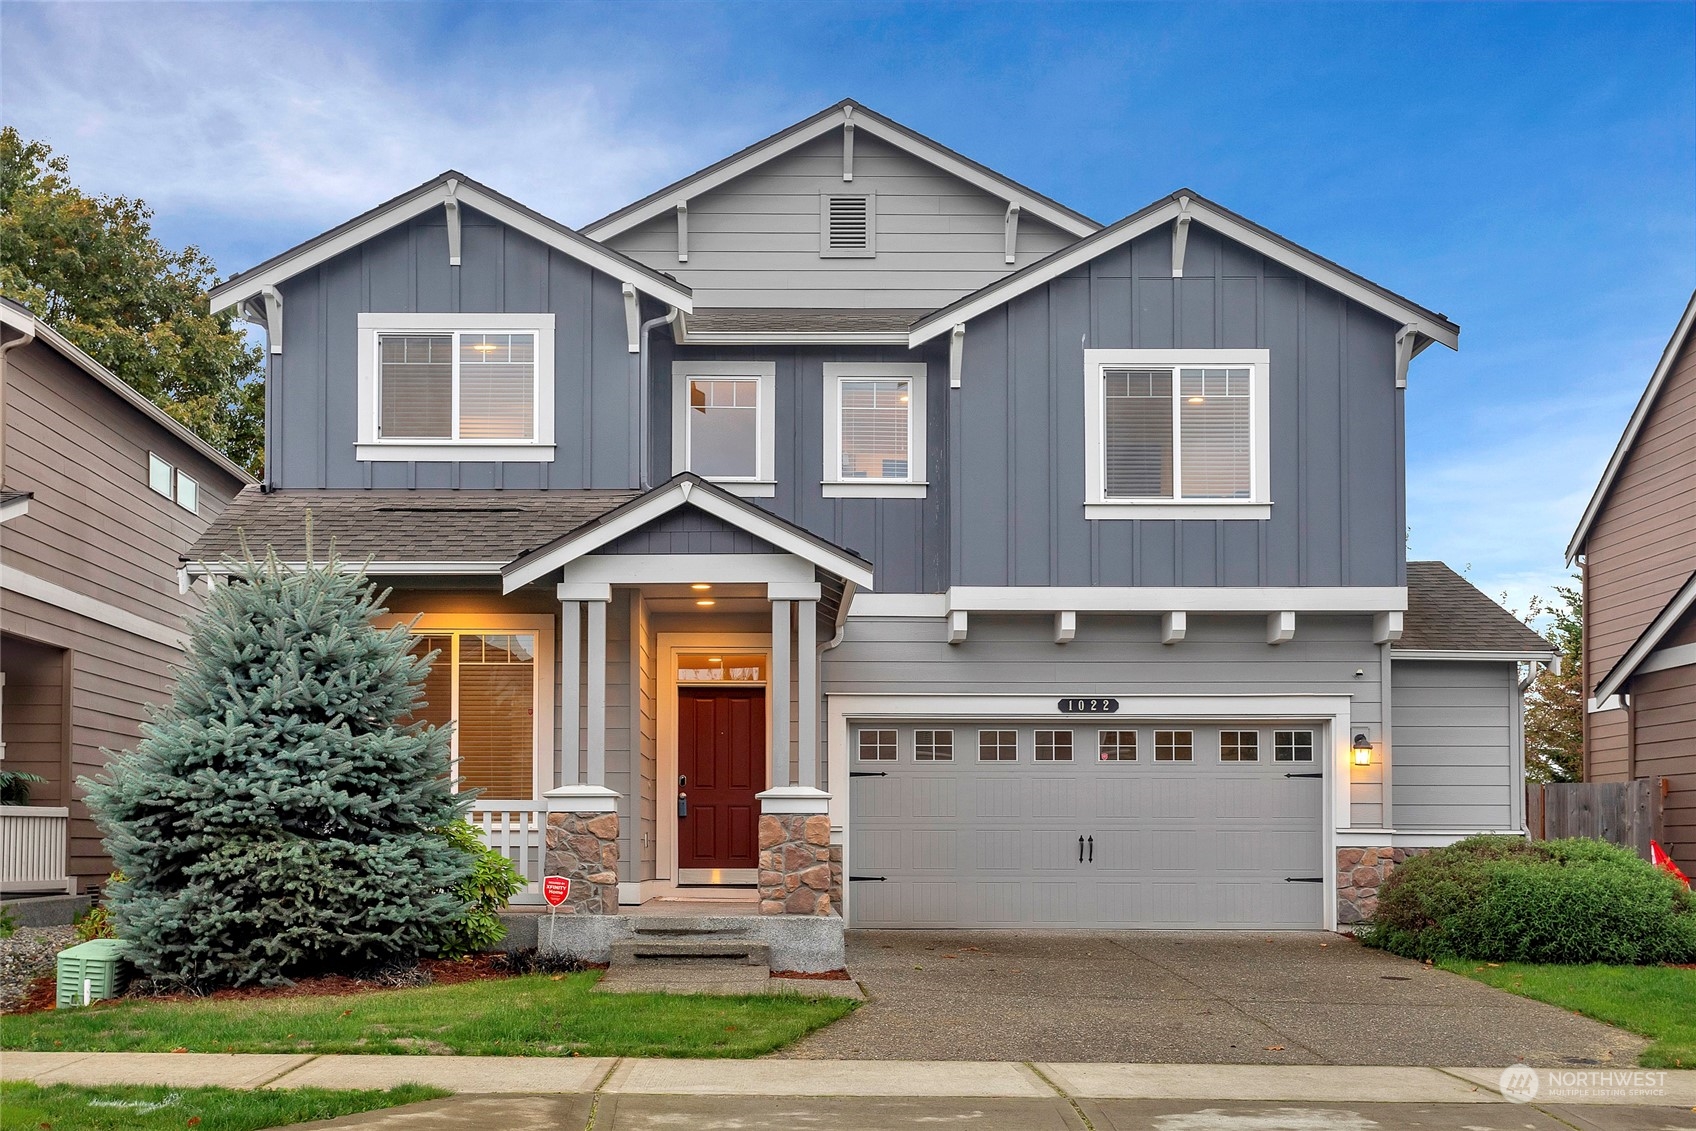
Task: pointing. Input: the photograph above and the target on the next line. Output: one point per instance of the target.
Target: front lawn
(143, 1107)
(1658, 1002)
(535, 1015)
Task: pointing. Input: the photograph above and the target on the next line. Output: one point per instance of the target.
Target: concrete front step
(646, 948)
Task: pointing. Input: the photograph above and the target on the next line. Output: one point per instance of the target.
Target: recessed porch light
(700, 586)
(706, 601)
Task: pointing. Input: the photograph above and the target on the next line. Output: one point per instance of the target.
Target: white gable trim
(863, 121)
(668, 499)
(1198, 210)
(1639, 415)
(1644, 646)
(439, 194)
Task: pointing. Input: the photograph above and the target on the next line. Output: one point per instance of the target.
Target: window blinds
(496, 375)
(875, 423)
(497, 723)
(417, 386)
(497, 386)
(1137, 445)
(1176, 434)
(1215, 433)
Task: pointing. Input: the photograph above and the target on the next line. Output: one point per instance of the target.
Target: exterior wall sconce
(1362, 747)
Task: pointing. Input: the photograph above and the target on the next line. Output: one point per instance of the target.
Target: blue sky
(1528, 169)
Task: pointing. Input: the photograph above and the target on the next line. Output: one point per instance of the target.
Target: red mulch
(442, 971)
(826, 976)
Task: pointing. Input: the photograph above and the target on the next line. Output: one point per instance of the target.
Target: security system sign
(556, 889)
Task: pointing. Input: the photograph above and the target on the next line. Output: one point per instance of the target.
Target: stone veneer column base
(584, 848)
(1360, 873)
(795, 866)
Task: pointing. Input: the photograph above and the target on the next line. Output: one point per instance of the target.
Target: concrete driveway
(1192, 998)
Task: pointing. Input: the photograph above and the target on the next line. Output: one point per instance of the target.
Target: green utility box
(90, 972)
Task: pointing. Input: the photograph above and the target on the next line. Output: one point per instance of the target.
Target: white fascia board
(14, 580)
(1067, 260)
(74, 354)
(1628, 665)
(686, 569)
(1664, 659)
(1456, 655)
(1639, 415)
(374, 568)
(900, 605)
(1161, 599)
(706, 182)
(436, 195)
(17, 508)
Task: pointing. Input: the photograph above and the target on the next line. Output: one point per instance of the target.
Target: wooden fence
(1626, 813)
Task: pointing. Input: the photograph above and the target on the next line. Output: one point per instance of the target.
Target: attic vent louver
(847, 225)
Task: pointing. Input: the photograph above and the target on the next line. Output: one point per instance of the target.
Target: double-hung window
(723, 423)
(874, 430)
(1176, 434)
(456, 387)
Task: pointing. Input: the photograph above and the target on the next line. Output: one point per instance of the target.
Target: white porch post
(597, 697)
(568, 769)
(582, 781)
(779, 694)
(807, 714)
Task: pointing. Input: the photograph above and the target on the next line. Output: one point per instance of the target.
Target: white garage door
(1169, 825)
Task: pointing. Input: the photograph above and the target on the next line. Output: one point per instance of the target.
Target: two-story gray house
(846, 527)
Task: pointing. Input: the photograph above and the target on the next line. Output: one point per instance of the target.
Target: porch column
(797, 876)
(582, 835)
(779, 694)
(807, 691)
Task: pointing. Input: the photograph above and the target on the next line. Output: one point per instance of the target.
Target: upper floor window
(1176, 434)
(874, 429)
(173, 484)
(723, 423)
(456, 386)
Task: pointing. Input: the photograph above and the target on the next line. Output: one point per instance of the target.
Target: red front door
(721, 748)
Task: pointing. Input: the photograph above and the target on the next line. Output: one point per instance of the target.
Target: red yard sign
(555, 889)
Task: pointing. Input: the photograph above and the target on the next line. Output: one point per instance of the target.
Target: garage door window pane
(1174, 745)
(1292, 746)
(1118, 746)
(1053, 746)
(998, 745)
(1239, 746)
(933, 746)
(877, 746)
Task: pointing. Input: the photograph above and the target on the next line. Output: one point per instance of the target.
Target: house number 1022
(1089, 706)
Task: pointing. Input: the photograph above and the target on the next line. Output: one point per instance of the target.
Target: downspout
(642, 391)
(27, 337)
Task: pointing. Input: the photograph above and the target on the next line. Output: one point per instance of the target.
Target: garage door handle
(884, 774)
(1304, 775)
(873, 879)
(1304, 879)
(1080, 850)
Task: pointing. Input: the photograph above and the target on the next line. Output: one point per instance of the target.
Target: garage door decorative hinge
(1304, 775)
(873, 879)
(871, 773)
(1304, 879)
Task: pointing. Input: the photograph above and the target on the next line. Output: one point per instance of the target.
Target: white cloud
(309, 115)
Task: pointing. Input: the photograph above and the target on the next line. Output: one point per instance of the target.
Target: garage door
(1169, 825)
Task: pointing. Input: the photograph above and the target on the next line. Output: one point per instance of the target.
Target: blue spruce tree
(283, 815)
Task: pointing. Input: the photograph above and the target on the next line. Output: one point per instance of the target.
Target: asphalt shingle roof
(402, 526)
(1447, 613)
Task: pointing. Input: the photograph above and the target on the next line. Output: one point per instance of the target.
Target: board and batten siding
(1016, 428)
(754, 241)
(1120, 656)
(313, 396)
(1455, 733)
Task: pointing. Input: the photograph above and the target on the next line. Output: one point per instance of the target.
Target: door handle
(1080, 850)
(683, 805)
(1092, 850)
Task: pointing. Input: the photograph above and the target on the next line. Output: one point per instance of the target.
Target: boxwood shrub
(1504, 899)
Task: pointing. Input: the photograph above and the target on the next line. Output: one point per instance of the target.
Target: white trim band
(49, 593)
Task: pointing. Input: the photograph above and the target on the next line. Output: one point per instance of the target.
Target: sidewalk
(1000, 1080)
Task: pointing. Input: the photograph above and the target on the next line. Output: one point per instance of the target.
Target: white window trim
(836, 487)
(1259, 503)
(761, 485)
(154, 461)
(194, 488)
(372, 447)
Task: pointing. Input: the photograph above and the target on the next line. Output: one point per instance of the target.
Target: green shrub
(94, 923)
(1503, 899)
(14, 786)
(8, 923)
(485, 892)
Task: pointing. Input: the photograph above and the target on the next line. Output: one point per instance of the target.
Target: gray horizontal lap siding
(1455, 734)
(313, 395)
(1017, 428)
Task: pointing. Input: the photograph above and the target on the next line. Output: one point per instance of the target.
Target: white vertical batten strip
(807, 691)
(779, 694)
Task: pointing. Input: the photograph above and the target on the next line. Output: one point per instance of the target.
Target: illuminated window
(486, 684)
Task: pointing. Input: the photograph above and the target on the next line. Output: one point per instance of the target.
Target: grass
(536, 1015)
(143, 1107)
(1658, 1002)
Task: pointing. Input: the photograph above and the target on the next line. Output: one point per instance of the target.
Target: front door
(721, 746)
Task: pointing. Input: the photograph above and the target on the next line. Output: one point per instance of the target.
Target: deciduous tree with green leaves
(91, 267)
(1554, 705)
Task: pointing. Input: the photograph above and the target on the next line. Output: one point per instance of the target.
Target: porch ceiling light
(700, 586)
(706, 601)
(1362, 747)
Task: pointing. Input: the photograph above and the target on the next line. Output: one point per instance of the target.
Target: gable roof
(434, 193)
(1641, 648)
(1645, 404)
(686, 489)
(1447, 613)
(1030, 202)
(1428, 325)
(20, 317)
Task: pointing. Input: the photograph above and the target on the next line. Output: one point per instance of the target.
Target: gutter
(642, 388)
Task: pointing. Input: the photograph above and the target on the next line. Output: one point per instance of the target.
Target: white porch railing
(32, 848)
(520, 834)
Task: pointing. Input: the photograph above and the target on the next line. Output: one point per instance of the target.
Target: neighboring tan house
(102, 493)
(1638, 544)
(1065, 562)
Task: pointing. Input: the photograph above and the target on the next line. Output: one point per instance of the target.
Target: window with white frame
(487, 684)
(874, 429)
(933, 746)
(166, 480)
(456, 386)
(1176, 434)
(877, 746)
(723, 423)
